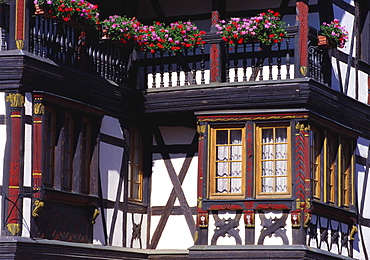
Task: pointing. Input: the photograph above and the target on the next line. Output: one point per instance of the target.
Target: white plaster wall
(176, 234)
(111, 126)
(2, 103)
(98, 231)
(347, 20)
(27, 174)
(2, 136)
(190, 183)
(362, 147)
(26, 217)
(358, 252)
(28, 104)
(110, 166)
(273, 240)
(118, 234)
(137, 220)
(343, 72)
(161, 182)
(227, 240)
(363, 87)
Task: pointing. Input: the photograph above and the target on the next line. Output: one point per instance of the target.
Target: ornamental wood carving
(274, 226)
(226, 227)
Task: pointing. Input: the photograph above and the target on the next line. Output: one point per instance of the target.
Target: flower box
(42, 12)
(324, 42)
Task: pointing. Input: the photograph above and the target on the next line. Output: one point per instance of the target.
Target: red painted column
(215, 72)
(20, 15)
(13, 220)
(302, 18)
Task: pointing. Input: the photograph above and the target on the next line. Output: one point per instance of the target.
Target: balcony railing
(214, 61)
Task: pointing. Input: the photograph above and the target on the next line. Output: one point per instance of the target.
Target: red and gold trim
(38, 111)
(20, 16)
(14, 218)
(302, 17)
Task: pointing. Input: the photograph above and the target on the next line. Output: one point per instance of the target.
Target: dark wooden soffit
(25, 72)
(298, 93)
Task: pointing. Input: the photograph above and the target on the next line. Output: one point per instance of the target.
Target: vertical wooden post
(302, 19)
(20, 24)
(13, 221)
(38, 111)
(202, 215)
(215, 51)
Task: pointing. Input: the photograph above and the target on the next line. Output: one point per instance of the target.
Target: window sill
(67, 197)
(248, 204)
(346, 215)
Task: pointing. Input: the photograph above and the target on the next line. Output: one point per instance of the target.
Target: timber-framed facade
(219, 152)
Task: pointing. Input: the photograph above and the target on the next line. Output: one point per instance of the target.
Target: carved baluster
(202, 64)
(279, 62)
(287, 58)
(194, 81)
(62, 43)
(244, 62)
(161, 70)
(260, 62)
(236, 63)
(270, 60)
(146, 69)
(178, 74)
(106, 65)
(253, 63)
(227, 63)
(321, 69)
(32, 37)
(154, 72)
(38, 36)
(186, 68)
(169, 70)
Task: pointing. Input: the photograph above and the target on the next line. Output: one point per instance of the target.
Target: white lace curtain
(229, 161)
(274, 160)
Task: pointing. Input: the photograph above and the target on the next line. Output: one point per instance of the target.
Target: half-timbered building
(219, 152)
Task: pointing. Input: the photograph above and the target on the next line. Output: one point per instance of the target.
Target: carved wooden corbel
(307, 219)
(353, 232)
(15, 99)
(38, 206)
(95, 215)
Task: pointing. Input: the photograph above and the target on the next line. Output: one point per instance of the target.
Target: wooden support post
(302, 18)
(13, 221)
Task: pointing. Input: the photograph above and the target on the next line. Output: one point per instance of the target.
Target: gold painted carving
(38, 206)
(201, 129)
(95, 215)
(16, 100)
(303, 70)
(38, 109)
(302, 126)
(298, 204)
(308, 203)
(19, 44)
(307, 219)
(196, 235)
(14, 228)
(353, 232)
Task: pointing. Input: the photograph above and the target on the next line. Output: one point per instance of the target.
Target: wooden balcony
(252, 62)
